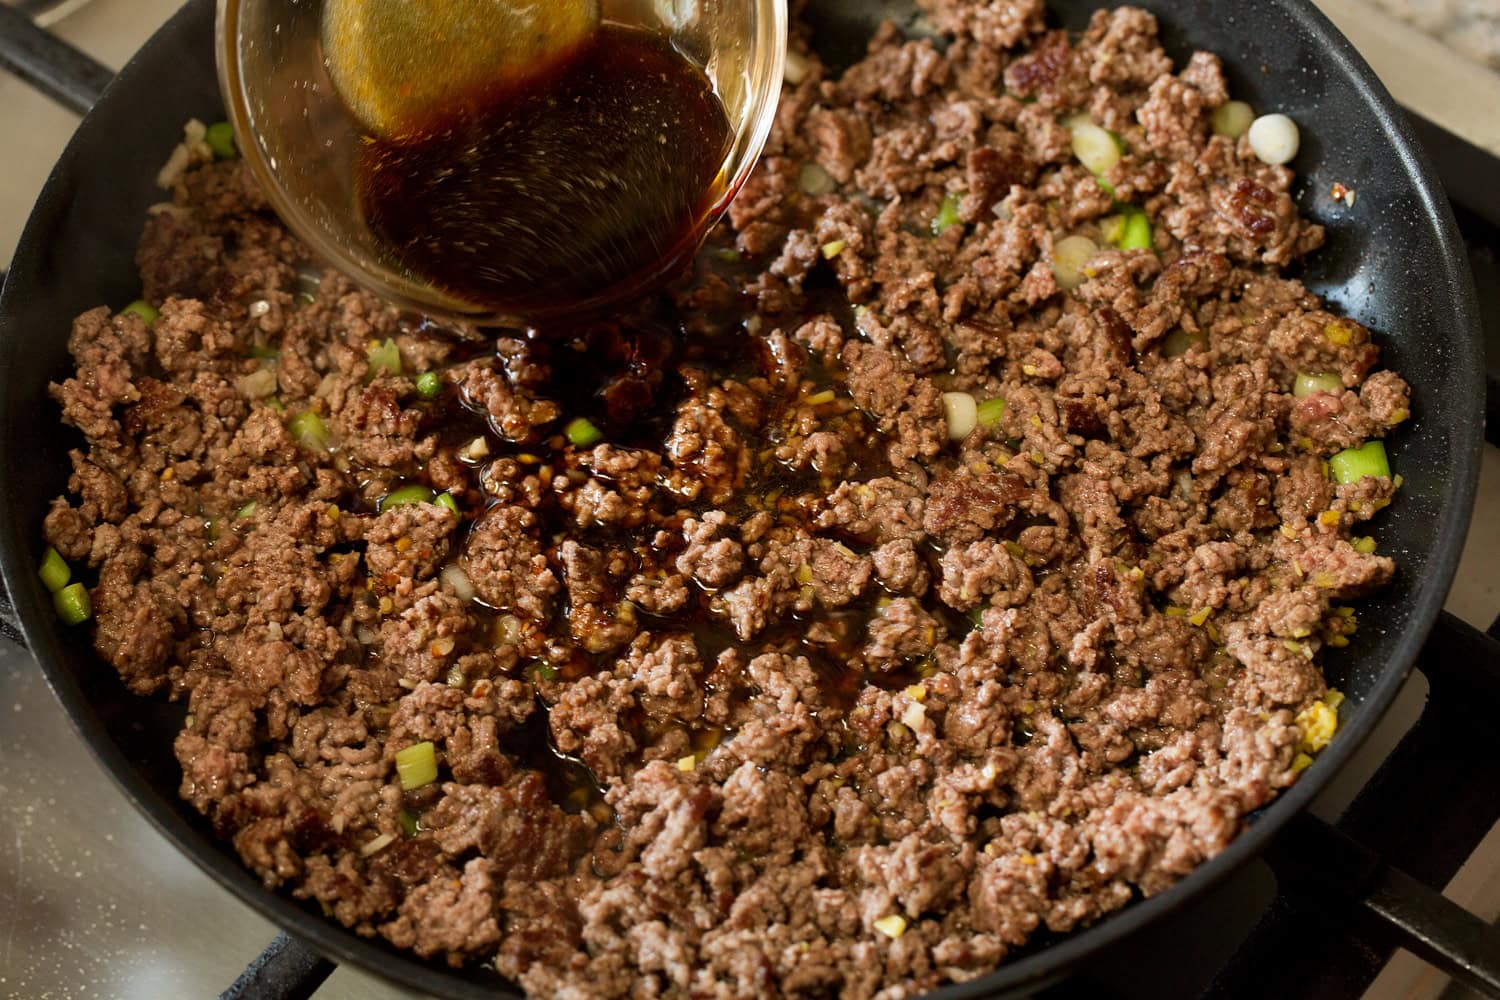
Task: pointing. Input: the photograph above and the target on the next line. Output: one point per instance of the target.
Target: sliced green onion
(417, 765)
(405, 496)
(54, 571)
(947, 215)
(143, 309)
(1113, 229)
(1232, 119)
(1179, 342)
(220, 139)
(545, 671)
(385, 357)
(274, 404)
(1097, 148)
(73, 605)
(582, 432)
(990, 412)
(263, 352)
(446, 500)
(1106, 186)
(727, 255)
(1353, 464)
(833, 248)
(1307, 384)
(309, 431)
(1137, 234)
(408, 824)
(246, 511)
(259, 384)
(429, 384)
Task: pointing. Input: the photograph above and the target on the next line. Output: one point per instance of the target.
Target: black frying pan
(1394, 263)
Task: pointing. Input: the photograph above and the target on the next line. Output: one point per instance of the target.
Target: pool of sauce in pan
(644, 352)
(590, 177)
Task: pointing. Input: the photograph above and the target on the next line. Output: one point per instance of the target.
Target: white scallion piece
(1274, 139)
(377, 845)
(962, 413)
(259, 384)
(1232, 119)
(815, 181)
(1096, 148)
(796, 69)
(454, 576)
(1069, 255)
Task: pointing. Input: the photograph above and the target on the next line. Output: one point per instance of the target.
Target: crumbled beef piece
(712, 561)
(983, 572)
(902, 631)
(512, 412)
(505, 562)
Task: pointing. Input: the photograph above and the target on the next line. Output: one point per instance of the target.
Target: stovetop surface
(93, 903)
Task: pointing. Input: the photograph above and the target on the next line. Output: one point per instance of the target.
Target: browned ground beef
(775, 661)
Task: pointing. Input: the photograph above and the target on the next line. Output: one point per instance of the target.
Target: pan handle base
(286, 970)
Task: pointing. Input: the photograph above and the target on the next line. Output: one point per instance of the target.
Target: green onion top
(408, 823)
(404, 496)
(1137, 234)
(429, 384)
(73, 605)
(1353, 464)
(220, 139)
(309, 431)
(990, 412)
(1307, 384)
(947, 215)
(582, 432)
(447, 500)
(143, 309)
(54, 570)
(417, 766)
(384, 357)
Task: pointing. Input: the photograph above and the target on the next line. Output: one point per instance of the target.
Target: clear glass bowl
(300, 140)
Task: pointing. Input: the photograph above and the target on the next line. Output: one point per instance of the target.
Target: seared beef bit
(984, 572)
(742, 670)
(902, 631)
(710, 560)
(707, 456)
(966, 505)
(512, 412)
(504, 561)
(659, 594)
(880, 510)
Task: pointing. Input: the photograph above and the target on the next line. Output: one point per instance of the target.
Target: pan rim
(1024, 973)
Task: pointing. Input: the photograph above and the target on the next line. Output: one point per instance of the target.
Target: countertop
(93, 903)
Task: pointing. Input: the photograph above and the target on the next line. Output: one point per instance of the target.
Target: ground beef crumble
(776, 689)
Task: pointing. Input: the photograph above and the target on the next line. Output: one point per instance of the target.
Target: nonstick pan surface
(1394, 262)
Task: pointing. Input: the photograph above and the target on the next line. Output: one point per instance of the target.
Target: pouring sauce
(589, 177)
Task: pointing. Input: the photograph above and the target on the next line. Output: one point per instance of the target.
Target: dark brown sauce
(590, 179)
